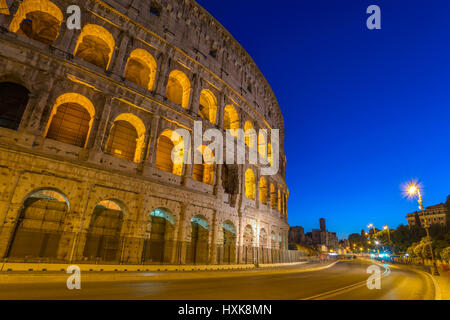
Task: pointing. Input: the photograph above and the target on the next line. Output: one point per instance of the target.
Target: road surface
(345, 280)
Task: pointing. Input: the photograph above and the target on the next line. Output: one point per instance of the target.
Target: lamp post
(373, 228)
(413, 190)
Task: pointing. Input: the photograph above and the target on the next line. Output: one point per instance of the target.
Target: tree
(445, 254)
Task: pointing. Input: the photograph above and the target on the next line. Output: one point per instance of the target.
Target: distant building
(434, 214)
(296, 235)
(317, 237)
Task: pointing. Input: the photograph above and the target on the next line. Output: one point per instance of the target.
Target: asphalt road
(345, 280)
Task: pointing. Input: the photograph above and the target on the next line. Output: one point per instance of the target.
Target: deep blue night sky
(364, 110)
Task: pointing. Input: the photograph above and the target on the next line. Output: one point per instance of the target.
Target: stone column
(96, 138)
(195, 94)
(163, 75)
(181, 244)
(119, 58)
(213, 254)
(153, 141)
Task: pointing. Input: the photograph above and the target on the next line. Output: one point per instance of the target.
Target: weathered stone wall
(183, 37)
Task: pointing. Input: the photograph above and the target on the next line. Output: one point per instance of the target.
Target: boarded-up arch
(37, 19)
(127, 137)
(71, 119)
(250, 184)
(141, 69)
(208, 106)
(168, 142)
(95, 45)
(178, 88)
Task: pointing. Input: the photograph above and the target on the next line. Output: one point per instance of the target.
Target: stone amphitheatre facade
(86, 123)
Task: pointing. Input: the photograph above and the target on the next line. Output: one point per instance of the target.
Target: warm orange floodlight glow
(385, 227)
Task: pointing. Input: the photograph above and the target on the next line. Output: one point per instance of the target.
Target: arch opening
(38, 20)
(14, 99)
(208, 106)
(159, 232)
(170, 142)
(95, 45)
(178, 89)
(263, 190)
(141, 69)
(231, 120)
(199, 246)
(250, 184)
(71, 119)
(204, 172)
(103, 240)
(127, 137)
(227, 249)
(250, 135)
(39, 228)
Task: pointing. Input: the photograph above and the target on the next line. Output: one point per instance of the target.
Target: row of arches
(41, 233)
(41, 20)
(276, 199)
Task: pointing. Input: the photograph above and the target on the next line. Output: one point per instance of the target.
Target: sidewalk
(189, 272)
(443, 282)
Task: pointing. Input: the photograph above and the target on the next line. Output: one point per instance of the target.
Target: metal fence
(33, 245)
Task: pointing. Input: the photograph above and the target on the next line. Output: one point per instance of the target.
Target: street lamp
(373, 228)
(413, 190)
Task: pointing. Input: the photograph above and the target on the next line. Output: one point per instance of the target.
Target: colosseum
(87, 117)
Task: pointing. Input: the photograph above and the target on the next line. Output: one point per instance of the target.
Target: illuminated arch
(263, 190)
(37, 19)
(71, 119)
(178, 88)
(279, 200)
(269, 153)
(231, 120)
(169, 141)
(204, 172)
(103, 236)
(250, 184)
(248, 235)
(273, 196)
(250, 136)
(127, 137)
(95, 45)
(141, 69)
(199, 239)
(208, 106)
(159, 231)
(40, 226)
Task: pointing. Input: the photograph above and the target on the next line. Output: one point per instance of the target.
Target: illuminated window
(14, 99)
(231, 120)
(279, 200)
(127, 137)
(178, 89)
(141, 69)
(250, 184)
(273, 196)
(208, 106)
(95, 45)
(263, 190)
(122, 140)
(37, 19)
(250, 135)
(169, 142)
